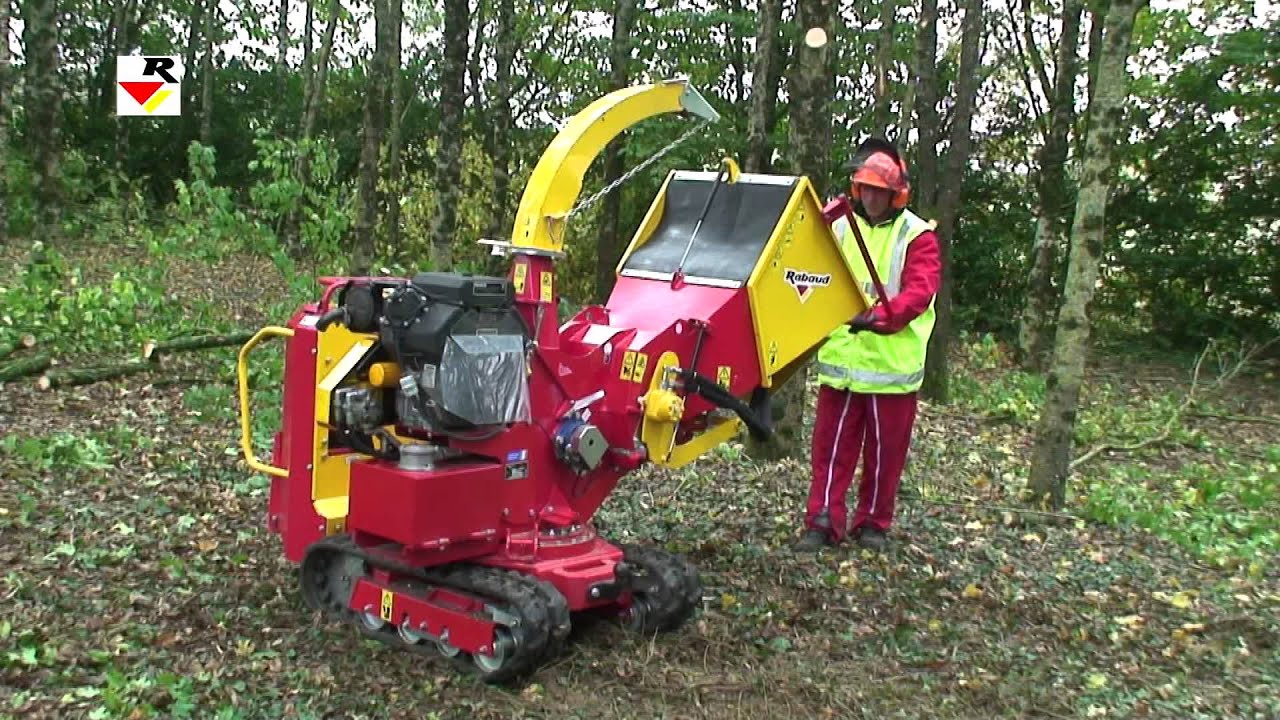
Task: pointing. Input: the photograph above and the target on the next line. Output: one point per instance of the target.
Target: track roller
(530, 617)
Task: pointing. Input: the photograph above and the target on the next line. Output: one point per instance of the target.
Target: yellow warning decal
(521, 273)
(642, 364)
(546, 280)
(388, 598)
(628, 364)
(724, 375)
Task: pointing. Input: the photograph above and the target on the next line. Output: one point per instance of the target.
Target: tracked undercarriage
(499, 623)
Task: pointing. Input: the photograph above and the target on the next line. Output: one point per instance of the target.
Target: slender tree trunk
(812, 86)
(926, 185)
(375, 101)
(735, 51)
(1051, 461)
(282, 58)
(195, 26)
(764, 94)
(319, 74)
(500, 118)
(937, 372)
(884, 60)
(395, 143)
(1036, 331)
(906, 113)
(307, 32)
(124, 43)
(43, 102)
(6, 87)
(609, 244)
(453, 88)
(312, 101)
(206, 76)
(475, 74)
(1097, 15)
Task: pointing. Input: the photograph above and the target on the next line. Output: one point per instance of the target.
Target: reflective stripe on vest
(869, 377)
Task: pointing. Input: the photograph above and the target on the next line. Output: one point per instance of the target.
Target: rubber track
(542, 612)
(681, 594)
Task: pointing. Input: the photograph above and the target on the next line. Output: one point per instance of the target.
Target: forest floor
(138, 579)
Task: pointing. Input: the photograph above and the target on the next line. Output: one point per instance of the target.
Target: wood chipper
(445, 441)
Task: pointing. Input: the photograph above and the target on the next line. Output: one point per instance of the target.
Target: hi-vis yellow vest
(865, 362)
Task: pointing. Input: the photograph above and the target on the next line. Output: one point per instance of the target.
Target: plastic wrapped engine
(461, 347)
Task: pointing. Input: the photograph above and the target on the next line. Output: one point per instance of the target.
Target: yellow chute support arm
(556, 181)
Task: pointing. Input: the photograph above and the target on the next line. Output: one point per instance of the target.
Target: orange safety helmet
(878, 164)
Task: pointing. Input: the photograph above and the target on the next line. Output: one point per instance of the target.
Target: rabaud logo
(805, 282)
(148, 85)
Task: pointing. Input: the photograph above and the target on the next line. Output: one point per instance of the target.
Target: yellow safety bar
(242, 372)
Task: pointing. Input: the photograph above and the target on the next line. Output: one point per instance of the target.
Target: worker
(869, 371)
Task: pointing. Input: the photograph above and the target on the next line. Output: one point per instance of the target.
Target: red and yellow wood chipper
(445, 441)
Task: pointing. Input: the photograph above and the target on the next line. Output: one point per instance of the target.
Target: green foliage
(50, 299)
(1223, 511)
(992, 388)
(324, 206)
(206, 218)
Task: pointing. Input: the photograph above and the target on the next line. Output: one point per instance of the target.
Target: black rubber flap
(732, 237)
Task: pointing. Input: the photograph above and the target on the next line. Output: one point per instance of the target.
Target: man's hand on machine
(867, 320)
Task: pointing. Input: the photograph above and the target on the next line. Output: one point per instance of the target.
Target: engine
(455, 344)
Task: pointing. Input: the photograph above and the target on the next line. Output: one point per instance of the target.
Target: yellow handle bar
(242, 372)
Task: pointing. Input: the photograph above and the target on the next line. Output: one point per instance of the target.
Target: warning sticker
(388, 599)
(642, 364)
(546, 280)
(628, 364)
(521, 274)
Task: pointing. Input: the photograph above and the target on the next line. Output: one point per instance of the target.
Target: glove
(866, 321)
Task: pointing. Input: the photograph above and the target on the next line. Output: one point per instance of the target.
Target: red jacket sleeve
(921, 275)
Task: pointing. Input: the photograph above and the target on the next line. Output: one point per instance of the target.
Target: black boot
(872, 539)
(813, 540)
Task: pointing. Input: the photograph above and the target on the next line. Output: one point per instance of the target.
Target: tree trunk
(311, 102)
(206, 77)
(375, 101)
(926, 185)
(307, 33)
(937, 374)
(475, 83)
(764, 94)
(86, 376)
(282, 58)
(609, 245)
(26, 366)
(500, 119)
(1051, 460)
(395, 141)
(1035, 332)
(1097, 15)
(124, 43)
(43, 102)
(735, 51)
(195, 26)
(453, 87)
(6, 87)
(812, 92)
(153, 350)
(318, 75)
(884, 59)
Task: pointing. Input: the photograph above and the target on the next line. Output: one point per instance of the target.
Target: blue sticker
(517, 456)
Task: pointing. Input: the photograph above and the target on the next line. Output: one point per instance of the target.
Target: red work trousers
(879, 426)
